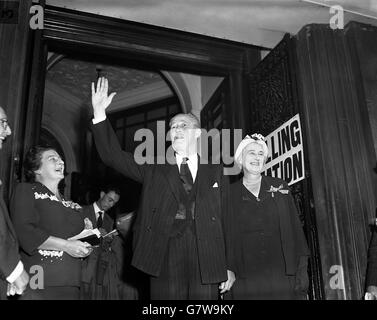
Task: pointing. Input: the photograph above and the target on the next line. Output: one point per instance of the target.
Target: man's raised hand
(100, 98)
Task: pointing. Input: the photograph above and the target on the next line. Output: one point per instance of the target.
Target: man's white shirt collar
(96, 210)
(192, 163)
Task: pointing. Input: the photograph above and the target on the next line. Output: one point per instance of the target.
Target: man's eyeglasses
(4, 123)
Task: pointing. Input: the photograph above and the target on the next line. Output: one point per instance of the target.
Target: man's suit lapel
(91, 214)
(171, 173)
(203, 180)
(108, 222)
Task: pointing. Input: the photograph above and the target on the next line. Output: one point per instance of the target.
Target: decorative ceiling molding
(76, 76)
(180, 88)
(193, 91)
(143, 95)
(53, 126)
(52, 59)
(71, 101)
(124, 100)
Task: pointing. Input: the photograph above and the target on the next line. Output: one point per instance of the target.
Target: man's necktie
(185, 174)
(99, 220)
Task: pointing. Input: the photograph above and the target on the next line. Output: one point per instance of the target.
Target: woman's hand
(77, 248)
(88, 224)
(100, 99)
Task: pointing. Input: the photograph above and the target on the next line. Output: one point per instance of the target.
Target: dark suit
(9, 256)
(159, 205)
(108, 222)
(97, 263)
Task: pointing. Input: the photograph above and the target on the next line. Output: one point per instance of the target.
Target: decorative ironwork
(298, 195)
(271, 92)
(212, 116)
(273, 100)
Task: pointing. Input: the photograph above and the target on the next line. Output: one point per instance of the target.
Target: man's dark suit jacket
(108, 222)
(159, 205)
(89, 266)
(9, 256)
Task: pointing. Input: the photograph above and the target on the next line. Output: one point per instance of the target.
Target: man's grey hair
(193, 119)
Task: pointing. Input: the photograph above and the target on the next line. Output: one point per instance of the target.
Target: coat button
(149, 228)
(213, 218)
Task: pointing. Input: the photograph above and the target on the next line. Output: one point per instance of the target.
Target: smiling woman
(43, 221)
(269, 244)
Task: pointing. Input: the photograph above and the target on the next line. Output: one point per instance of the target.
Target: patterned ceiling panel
(76, 76)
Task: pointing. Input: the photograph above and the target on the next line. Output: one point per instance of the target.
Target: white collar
(193, 158)
(96, 209)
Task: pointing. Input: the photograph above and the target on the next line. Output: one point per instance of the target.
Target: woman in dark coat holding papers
(44, 221)
(270, 249)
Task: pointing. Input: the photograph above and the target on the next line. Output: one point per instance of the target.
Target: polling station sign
(286, 155)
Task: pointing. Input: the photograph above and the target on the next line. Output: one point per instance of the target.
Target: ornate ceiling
(76, 76)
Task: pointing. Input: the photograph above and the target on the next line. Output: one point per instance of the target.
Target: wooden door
(273, 101)
(214, 116)
(18, 44)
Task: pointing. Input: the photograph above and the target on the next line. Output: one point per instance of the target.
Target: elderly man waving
(178, 234)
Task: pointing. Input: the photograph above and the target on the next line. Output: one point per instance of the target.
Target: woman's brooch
(279, 189)
(51, 253)
(67, 204)
(72, 205)
(45, 196)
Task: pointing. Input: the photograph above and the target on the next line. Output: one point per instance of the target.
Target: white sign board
(286, 155)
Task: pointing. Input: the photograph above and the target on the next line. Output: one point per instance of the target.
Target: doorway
(85, 43)
(148, 66)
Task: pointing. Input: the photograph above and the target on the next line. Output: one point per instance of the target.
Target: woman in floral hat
(270, 248)
(44, 221)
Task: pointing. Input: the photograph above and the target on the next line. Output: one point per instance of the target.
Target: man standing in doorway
(13, 277)
(178, 234)
(99, 276)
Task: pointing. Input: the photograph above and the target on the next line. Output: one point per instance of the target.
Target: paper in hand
(91, 236)
(124, 222)
(111, 233)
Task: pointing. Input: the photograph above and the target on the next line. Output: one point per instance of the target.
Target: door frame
(136, 45)
(275, 80)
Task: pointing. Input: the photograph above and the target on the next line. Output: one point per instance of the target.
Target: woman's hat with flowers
(257, 138)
